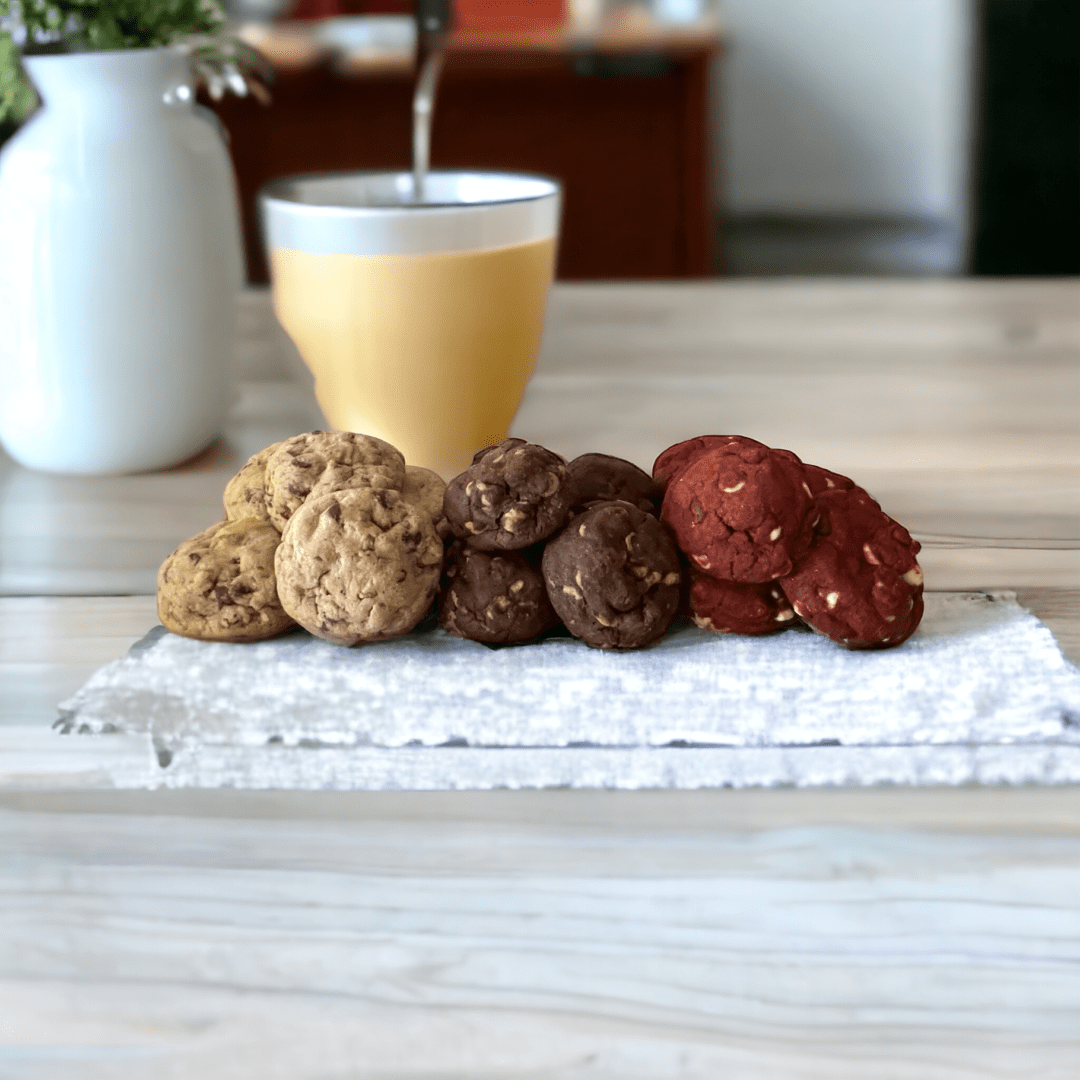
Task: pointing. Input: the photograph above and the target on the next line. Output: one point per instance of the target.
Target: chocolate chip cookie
(494, 596)
(426, 489)
(859, 583)
(725, 607)
(220, 585)
(613, 576)
(740, 512)
(359, 564)
(602, 478)
(318, 462)
(245, 493)
(511, 497)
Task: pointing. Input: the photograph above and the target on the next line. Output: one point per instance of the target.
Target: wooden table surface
(890, 933)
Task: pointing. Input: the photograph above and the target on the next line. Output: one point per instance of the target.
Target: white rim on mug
(372, 213)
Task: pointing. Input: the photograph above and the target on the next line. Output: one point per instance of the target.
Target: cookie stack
(769, 538)
(331, 530)
(539, 541)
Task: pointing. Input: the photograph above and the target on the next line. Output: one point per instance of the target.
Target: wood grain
(384, 947)
(875, 934)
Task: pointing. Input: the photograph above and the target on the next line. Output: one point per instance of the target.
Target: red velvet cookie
(675, 459)
(740, 512)
(727, 608)
(859, 583)
(817, 481)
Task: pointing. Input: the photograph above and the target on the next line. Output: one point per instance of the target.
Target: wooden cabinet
(623, 121)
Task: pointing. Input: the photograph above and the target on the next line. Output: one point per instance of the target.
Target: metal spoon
(432, 30)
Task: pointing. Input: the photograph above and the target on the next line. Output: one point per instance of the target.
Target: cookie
(358, 564)
(859, 583)
(817, 481)
(511, 497)
(220, 585)
(601, 478)
(245, 493)
(675, 459)
(613, 576)
(494, 596)
(426, 489)
(740, 512)
(728, 608)
(318, 462)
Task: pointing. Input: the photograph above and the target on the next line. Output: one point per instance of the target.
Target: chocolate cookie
(613, 576)
(675, 459)
(859, 583)
(358, 565)
(318, 462)
(728, 608)
(495, 597)
(600, 478)
(512, 496)
(741, 512)
(220, 586)
(245, 493)
(426, 489)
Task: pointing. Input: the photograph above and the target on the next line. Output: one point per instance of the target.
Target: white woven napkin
(981, 692)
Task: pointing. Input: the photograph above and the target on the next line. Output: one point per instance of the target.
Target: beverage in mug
(421, 322)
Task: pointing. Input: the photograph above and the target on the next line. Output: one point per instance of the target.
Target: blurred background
(701, 137)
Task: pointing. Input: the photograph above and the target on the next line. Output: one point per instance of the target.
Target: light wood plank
(534, 948)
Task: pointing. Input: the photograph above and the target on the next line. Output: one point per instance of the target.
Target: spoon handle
(432, 28)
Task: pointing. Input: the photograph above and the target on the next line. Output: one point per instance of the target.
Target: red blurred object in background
(509, 14)
(317, 9)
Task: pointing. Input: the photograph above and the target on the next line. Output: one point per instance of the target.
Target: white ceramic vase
(120, 264)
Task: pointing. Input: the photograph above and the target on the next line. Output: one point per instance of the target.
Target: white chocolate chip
(783, 616)
(775, 534)
(552, 484)
(914, 576)
(798, 610)
(469, 487)
(602, 621)
(653, 578)
(890, 618)
(481, 486)
(511, 518)
(472, 527)
(485, 501)
(738, 487)
(672, 578)
(581, 530)
(502, 602)
(571, 591)
(870, 557)
(705, 624)
(517, 586)
(638, 570)
(629, 541)
(829, 482)
(489, 614)
(830, 600)
(702, 561)
(806, 488)
(577, 578)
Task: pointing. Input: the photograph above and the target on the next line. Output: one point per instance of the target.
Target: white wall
(845, 106)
